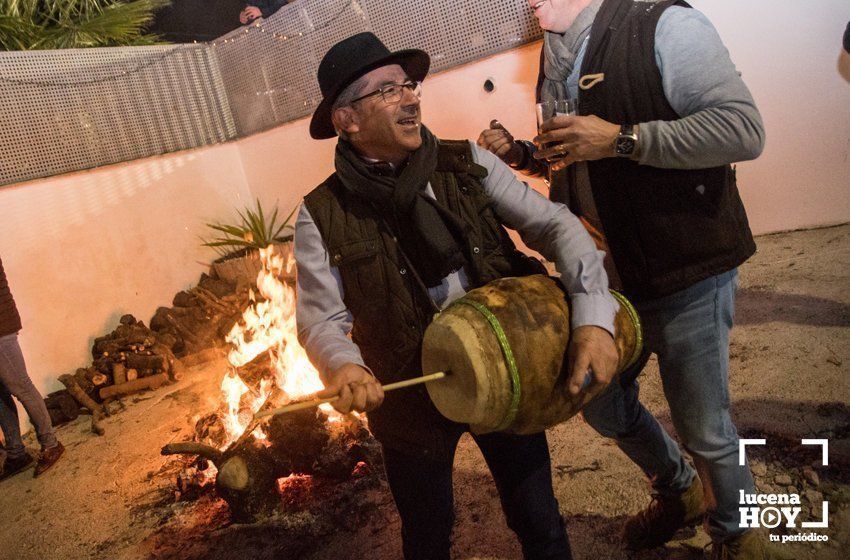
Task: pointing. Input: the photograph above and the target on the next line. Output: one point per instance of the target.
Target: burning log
(305, 447)
(130, 387)
(193, 448)
(302, 443)
(247, 480)
(248, 470)
(211, 429)
(297, 440)
(247, 474)
(97, 411)
(256, 370)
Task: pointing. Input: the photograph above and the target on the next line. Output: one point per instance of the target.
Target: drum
(504, 346)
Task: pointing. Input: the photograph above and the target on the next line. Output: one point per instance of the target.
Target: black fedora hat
(348, 60)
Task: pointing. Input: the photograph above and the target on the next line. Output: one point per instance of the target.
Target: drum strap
(635, 318)
(516, 388)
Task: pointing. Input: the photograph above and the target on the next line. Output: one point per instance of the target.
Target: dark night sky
(197, 20)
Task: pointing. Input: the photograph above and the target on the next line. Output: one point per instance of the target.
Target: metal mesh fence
(62, 111)
(67, 110)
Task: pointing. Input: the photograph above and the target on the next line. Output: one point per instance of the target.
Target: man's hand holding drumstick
(357, 389)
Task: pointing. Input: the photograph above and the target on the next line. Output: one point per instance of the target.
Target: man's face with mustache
(380, 130)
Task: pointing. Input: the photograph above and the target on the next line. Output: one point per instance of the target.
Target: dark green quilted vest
(391, 306)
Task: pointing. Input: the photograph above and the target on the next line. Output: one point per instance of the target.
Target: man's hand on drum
(592, 352)
(501, 142)
(357, 389)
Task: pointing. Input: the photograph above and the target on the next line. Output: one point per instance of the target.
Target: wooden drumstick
(317, 402)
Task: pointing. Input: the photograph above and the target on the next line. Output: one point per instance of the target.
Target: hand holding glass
(550, 109)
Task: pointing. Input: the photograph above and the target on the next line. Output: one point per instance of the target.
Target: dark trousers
(422, 489)
(15, 381)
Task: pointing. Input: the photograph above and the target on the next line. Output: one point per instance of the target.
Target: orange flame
(267, 326)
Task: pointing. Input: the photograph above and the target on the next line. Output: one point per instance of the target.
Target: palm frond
(255, 230)
(57, 24)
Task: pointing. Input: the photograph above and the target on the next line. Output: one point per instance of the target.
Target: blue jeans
(422, 490)
(689, 332)
(14, 381)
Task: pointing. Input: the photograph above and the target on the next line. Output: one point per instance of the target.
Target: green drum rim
(635, 318)
(513, 371)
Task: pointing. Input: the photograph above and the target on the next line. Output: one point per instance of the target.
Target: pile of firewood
(134, 358)
(130, 359)
(201, 317)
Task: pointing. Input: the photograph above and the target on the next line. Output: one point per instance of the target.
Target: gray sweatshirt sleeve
(323, 321)
(552, 230)
(719, 121)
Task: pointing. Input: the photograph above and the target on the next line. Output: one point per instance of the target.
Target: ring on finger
(561, 149)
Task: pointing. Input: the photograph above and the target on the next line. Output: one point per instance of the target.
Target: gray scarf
(431, 236)
(560, 51)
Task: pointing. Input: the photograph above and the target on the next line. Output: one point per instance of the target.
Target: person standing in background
(15, 382)
(256, 9)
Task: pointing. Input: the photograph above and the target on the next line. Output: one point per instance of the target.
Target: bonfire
(256, 465)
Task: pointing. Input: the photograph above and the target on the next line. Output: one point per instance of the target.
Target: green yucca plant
(68, 24)
(255, 231)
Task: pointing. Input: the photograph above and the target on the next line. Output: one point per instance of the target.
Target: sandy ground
(113, 496)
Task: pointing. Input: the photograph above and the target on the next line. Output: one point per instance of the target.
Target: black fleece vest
(667, 228)
(390, 306)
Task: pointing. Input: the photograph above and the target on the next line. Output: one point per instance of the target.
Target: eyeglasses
(393, 93)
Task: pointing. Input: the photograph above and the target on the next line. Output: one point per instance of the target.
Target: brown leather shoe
(751, 545)
(48, 458)
(14, 466)
(657, 524)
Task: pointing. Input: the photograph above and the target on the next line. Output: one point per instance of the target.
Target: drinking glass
(550, 109)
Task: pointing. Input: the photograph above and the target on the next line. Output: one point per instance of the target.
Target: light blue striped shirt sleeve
(556, 233)
(718, 122)
(324, 322)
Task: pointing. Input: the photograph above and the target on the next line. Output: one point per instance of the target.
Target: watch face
(625, 146)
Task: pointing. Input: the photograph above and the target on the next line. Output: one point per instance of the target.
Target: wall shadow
(753, 307)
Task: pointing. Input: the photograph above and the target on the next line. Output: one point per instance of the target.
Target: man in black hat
(407, 224)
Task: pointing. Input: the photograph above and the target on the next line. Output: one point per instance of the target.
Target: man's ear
(346, 119)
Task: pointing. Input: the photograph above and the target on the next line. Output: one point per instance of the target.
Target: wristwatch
(626, 143)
